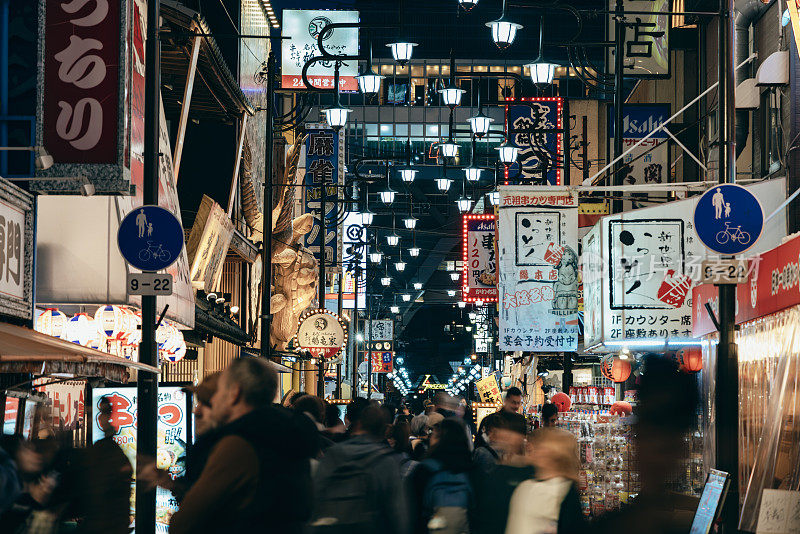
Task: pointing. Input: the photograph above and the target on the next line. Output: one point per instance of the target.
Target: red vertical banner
(479, 255)
(81, 81)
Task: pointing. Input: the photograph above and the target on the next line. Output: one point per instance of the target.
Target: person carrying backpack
(358, 487)
(442, 483)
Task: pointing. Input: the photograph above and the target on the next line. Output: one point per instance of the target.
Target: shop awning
(23, 350)
(216, 93)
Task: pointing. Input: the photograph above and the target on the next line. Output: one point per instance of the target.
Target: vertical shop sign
(541, 149)
(324, 162)
(303, 27)
(354, 261)
(81, 81)
(16, 251)
(648, 163)
(381, 330)
(479, 279)
(208, 244)
(172, 437)
(489, 390)
(538, 283)
(646, 43)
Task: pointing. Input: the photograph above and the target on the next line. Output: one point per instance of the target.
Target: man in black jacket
(257, 474)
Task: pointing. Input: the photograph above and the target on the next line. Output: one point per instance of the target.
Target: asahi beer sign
(479, 279)
(648, 163)
(538, 282)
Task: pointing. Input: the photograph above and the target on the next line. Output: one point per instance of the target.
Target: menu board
(172, 437)
(710, 502)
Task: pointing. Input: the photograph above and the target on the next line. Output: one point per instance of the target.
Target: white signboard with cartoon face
(538, 283)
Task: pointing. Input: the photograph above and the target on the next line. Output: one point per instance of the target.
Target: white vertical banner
(538, 282)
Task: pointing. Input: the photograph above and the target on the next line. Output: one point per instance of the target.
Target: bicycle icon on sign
(735, 234)
(153, 252)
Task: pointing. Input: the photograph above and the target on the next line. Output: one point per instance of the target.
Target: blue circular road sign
(150, 238)
(728, 219)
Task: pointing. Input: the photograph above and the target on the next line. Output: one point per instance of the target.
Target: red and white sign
(773, 285)
(67, 401)
(322, 333)
(81, 80)
(479, 279)
(382, 361)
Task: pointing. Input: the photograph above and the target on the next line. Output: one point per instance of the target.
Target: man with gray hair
(257, 473)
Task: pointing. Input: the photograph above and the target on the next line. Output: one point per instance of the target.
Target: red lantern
(562, 401)
(621, 408)
(616, 369)
(690, 359)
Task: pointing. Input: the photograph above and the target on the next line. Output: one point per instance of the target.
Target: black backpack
(348, 501)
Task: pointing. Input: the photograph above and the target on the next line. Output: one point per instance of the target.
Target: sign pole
(266, 253)
(147, 383)
(369, 339)
(727, 379)
(619, 67)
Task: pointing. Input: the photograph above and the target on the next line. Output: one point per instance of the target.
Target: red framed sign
(479, 276)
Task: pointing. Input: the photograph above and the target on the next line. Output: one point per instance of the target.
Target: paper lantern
(178, 355)
(81, 330)
(167, 336)
(110, 320)
(135, 334)
(52, 322)
(615, 369)
(690, 359)
(562, 401)
(621, 408)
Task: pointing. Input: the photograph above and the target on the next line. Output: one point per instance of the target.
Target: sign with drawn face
(640, 268)
(538, 281)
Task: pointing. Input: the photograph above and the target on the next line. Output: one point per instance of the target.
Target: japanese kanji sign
(322, 333)
(646, 42)
(354, 261)
(382, 361)
(479, 279)
(541, 152)
(640, 268)
(538, 282)
(649, 162)
(16, 251)
(381, 330)
(489, 390)
(303, 26)
(324, 164)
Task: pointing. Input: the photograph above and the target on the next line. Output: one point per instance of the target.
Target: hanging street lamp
(375, 257)
(464, 204)
(401, 51)
(392, 240)
(503, 30)
(467, 4)
(443, 183)
(408, 174)
(413, 252)
(541, 71)
(410, 222)
(479, 124)
(369, 82)
(449, 147)
(507, 152)
(386, 281)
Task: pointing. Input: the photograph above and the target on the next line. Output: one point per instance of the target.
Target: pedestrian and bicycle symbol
(728, 219)
(150, 238)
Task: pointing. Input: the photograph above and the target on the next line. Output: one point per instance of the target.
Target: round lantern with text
(690, 359)
(615, 369)
(110, 320)
(52, 322)
(562, 401)
(322, 333)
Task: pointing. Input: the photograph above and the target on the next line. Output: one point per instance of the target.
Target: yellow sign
(427, 384)
(795, 18)
(489, 390)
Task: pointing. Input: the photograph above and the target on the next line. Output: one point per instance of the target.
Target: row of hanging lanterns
(113, 329)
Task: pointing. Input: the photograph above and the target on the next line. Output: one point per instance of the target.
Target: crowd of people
(297, 467)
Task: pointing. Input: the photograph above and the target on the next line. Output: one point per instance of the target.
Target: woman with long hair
(442, 484)
(550, 503)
